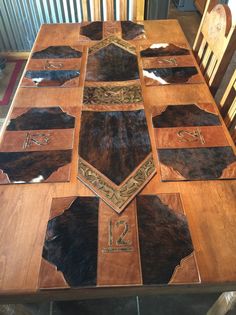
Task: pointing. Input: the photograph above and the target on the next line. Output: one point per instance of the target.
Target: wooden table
(25, 208)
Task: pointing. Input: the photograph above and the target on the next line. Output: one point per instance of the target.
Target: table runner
(115, 157)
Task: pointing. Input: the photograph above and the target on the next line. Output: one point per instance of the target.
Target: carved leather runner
(37, 145)
(112, 95)
(191, 143)
(149, 243)
(115, 157)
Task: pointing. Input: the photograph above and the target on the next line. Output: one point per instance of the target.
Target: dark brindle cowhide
(51, 77)
(198, 163)
(164, 239)
(185, 116)
(170, 50)
(131, 30)
(115, 143)
(71, 242)
(42, 118)
(112, 63)
(92, 30)
(54, 52)
(27, 166)
(174, 75)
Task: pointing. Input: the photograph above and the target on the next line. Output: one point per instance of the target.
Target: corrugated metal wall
(20, 20)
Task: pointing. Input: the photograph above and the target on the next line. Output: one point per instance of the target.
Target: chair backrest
(228, 106)
(110, 10)
(215, 43)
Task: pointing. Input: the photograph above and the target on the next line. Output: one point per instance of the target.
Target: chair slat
(110, 10)
(228, 106)
(105, 9)
(201, 49)
(138, 10)
(97, 14)
(230, 117)
(85, 10)
(226, 102)
(211, 66)
(123, 10)
(205, 59)
(232, 128)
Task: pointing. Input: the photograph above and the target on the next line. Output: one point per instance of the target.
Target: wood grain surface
(209, 205)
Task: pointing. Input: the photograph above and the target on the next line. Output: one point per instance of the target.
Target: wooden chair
(110, 10)
(215, 43)
(228, 106)
(200, 5)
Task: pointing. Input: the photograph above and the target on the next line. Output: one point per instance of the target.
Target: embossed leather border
(115, 40)
(112, 95)
(117, 197)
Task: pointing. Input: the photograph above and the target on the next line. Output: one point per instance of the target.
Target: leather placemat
(149, 243)
(37, 146)
(191, 143)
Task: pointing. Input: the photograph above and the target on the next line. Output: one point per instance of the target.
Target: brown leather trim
(173, 201)
(112, 108)
(112, 28)
(59, 205)
(60, 175)
(208, 107)
(113, 83)
(168, 173)
(50, 277)
(37, 140)
(186, 271)
(168, 61)
(118, 252)
(190, 137)
(230, 171)
(54, 64)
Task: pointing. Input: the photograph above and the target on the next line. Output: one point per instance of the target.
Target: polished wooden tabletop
(209, 205)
